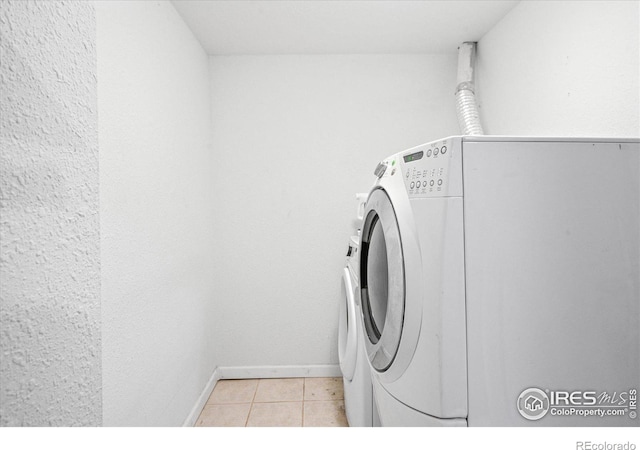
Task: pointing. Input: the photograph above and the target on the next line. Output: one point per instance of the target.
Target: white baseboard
(202, 400)
(246, 372)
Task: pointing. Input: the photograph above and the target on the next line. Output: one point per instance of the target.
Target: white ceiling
(254, 27)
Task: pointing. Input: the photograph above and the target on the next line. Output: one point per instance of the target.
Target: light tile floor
(275, 402)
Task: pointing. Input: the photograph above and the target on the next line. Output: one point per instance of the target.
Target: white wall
(295, 137)
(156, 214)
(49, 229)
(563, 68)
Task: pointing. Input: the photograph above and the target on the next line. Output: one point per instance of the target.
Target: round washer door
(347, 331)
(382, 281)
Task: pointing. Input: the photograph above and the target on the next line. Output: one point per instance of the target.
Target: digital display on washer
(414, 156)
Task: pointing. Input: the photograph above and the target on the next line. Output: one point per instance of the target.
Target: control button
(380, 169)
(431, 183)
(428, 152)
(435, 151)
(440, 182)
(412, 185)
(443, 150)
(407, 174)
(424, 183)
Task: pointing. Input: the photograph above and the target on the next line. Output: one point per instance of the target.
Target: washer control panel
(433, 169)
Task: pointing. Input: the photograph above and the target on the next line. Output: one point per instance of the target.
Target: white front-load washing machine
(358, 390)
(499, 283)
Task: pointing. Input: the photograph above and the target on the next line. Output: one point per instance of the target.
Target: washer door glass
(378, 280)
(382, 281)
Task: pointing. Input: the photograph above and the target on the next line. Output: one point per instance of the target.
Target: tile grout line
(304, 387)
(246, 422)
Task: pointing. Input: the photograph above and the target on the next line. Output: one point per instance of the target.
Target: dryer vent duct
(466, 107)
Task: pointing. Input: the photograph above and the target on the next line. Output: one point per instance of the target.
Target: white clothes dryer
(358, 390)
(499, 283)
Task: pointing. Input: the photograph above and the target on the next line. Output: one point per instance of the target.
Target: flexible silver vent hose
(466, 107)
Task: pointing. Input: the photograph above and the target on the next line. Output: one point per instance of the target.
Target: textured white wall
(49, 229)
(295, 137)
(562, 68)
(156, 214)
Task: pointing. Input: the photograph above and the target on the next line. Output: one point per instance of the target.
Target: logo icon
(533, 404)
